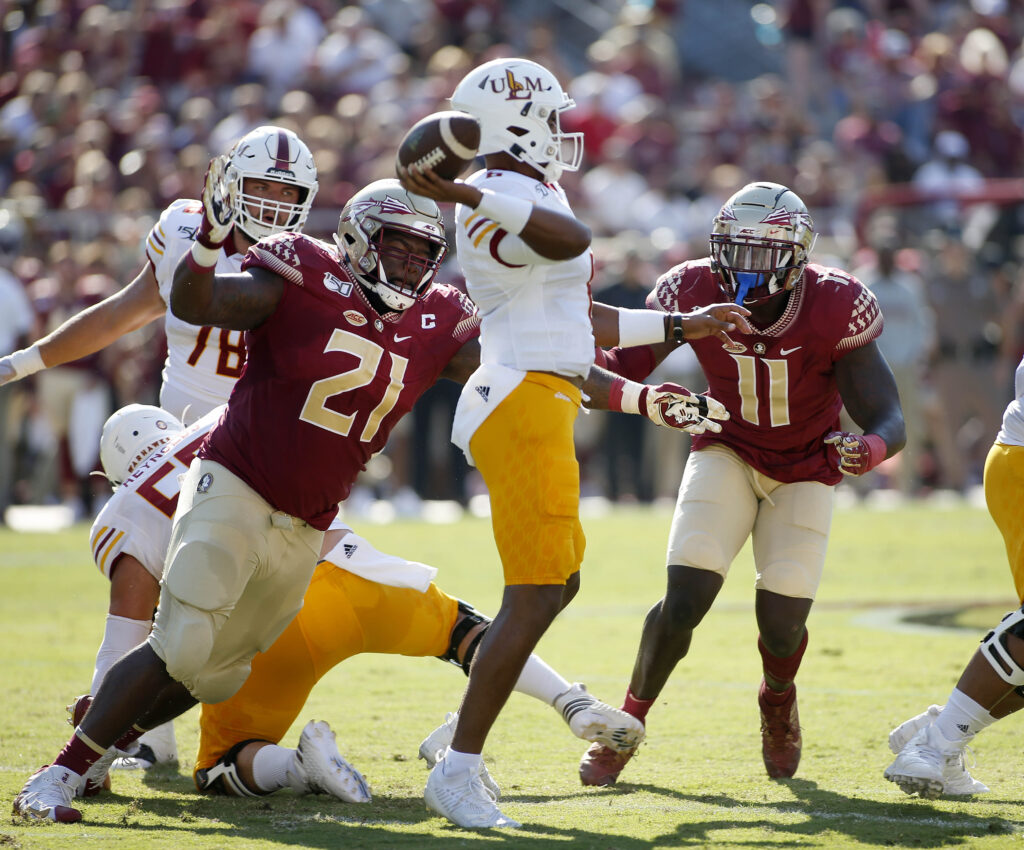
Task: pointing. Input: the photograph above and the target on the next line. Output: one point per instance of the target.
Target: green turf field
(698, 781)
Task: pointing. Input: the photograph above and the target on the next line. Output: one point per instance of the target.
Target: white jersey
(136, 520)
(1012, 432)
(534, 312)
(202, 363)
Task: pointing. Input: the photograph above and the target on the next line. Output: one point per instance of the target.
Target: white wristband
(631, 397)
(205, 257)
(640, 327)
(510, 212)
(27, 362)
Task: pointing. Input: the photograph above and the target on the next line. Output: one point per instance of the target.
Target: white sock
(456, 762)
(270, 767)
(541, 682)
(120, 636)
(962, 718)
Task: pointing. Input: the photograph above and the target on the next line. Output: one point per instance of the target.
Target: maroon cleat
(780, 734)
(602, 765)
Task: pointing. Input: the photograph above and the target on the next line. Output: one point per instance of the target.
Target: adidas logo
(963, 727)
(350, 549)
(484, 392)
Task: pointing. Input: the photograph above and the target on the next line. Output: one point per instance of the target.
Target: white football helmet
(385, 205)
(130, 435)
(760, 241)
(518, 103)
(270, 153)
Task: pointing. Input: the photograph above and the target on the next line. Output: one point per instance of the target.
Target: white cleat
(901, 735)
(157, 746)
(48, 795)
(463, 799)
(597, 722)
(957, 781)
(319, 768)
(440, 739)
(921, 766)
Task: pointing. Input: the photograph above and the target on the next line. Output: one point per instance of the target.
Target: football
(444, 141)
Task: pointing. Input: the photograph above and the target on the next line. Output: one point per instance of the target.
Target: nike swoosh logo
(402, 338)
(785, 351)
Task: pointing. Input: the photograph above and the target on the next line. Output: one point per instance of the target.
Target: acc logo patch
(735, 347)
(354, 318)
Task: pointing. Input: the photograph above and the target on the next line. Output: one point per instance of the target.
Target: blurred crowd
(898, 121)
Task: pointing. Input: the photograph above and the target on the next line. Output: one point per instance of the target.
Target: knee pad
(471, 618)
(700, 550)
(993, 647)
(221, 684)
(183, 638)
(222, 777)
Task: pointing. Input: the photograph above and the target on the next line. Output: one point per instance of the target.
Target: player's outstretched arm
(91, 330)
(201, 297)
(552, 234)
(868, 389)
(624, 327)
(669, 405)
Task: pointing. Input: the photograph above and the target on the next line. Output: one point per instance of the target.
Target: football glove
(854, 454)
(218, 205)
(674, 406)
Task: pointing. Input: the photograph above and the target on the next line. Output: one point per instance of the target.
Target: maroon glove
(855, 454)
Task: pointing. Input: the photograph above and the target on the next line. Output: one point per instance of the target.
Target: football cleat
(320, 769)
(597, 722)
(156, 746)
(930, 766)
(918, 769)
(463, 799)
(901, 735)
(780, 734)
(440, 739)
(48, 794)
(602, 765)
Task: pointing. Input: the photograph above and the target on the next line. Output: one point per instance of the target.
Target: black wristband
(677, 329)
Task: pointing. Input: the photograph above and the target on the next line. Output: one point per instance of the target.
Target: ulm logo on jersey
(517, 88)
(342, 287)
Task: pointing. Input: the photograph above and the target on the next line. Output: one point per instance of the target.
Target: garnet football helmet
(518, 103)
(381, 207)
(761, 240)
(270, 153)
(130, 435)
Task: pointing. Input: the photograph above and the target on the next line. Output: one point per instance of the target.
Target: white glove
(218, 205)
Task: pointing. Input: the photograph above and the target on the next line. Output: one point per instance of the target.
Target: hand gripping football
(444, 141)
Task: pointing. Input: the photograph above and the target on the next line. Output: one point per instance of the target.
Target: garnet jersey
(779, 383)
(327, 378)
(136, 520)
(202, 363)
